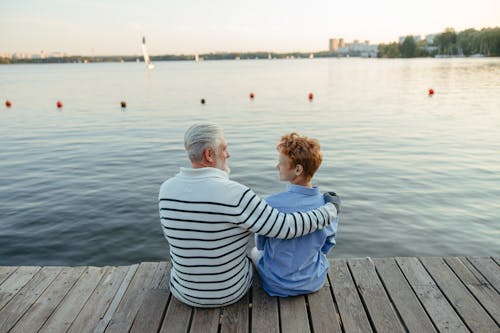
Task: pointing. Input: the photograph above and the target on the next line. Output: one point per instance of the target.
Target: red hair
(301, 150)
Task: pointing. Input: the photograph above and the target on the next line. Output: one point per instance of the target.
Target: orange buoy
(59, 104)
(252, 95)
(431, 92)
(8, 103)
(123, 104)
(311, 96)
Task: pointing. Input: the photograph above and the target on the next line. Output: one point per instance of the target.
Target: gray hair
(199, 137)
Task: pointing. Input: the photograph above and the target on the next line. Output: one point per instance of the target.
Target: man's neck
(201, 164)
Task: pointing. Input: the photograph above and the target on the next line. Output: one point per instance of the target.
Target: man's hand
(334, 199)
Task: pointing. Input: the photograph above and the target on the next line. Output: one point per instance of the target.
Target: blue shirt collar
(302, 189)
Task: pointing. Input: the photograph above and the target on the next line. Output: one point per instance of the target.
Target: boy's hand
(334, 199)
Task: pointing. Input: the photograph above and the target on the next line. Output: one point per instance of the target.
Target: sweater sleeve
(255, 215)
(330, 232)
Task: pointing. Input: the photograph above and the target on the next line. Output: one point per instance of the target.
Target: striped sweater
(207, 220)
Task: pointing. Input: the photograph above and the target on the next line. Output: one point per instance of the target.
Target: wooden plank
(165, 282)
(18, 305)
(379, 307)
(351, 310)
(74, 301)
(477, 285)
(94, 311)
(6, 271)
(489, 269)
(150, 315)
(441, 312)
(123, 317)
(161, 279)
(43, 307)
(405, 301)
(205, 320)
(324, 316)
(471, 312)
(18, 279)
(235, 317)
(178, 316)
(293, 314)
(265, 316)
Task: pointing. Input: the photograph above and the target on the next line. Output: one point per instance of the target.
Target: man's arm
(330, 231)
(258, 217)
(250, 212)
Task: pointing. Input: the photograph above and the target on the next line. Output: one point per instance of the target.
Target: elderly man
(207, 220)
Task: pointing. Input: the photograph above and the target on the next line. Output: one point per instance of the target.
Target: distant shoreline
(182, 57)
(448, 44)
(205, 57)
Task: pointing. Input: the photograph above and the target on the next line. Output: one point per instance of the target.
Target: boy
(296, 266)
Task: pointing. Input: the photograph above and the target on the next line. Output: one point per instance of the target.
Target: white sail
(148, 62)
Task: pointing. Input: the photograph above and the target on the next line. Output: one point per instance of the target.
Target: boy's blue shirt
(295, 266)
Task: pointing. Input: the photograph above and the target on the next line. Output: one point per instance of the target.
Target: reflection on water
(418, 175)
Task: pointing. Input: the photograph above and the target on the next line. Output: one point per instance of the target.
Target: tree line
(468, 42)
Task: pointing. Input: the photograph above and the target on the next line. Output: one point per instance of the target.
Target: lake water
(418, 175)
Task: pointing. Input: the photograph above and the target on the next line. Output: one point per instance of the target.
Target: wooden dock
(361, 295)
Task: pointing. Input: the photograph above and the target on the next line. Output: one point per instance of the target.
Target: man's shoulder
(209, 186)
(171, 182)
(229, 183)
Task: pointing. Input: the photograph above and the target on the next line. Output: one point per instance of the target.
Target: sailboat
(149, 64)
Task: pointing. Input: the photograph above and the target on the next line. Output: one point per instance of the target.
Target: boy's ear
(298, 169)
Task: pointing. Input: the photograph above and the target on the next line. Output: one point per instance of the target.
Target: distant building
(16, 56)
(57, 55)
(356, 48)
(364, 49)
(334, 45)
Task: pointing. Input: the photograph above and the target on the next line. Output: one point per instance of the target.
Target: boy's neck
(302, 182)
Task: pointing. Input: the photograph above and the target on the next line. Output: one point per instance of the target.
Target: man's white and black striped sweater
(207, 220)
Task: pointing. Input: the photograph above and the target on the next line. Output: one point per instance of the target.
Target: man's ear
(209, 155)
(298, 169)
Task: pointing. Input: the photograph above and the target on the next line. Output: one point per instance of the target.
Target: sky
(116, 27)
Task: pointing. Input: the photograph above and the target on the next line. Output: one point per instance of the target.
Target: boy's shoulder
(277, 198)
